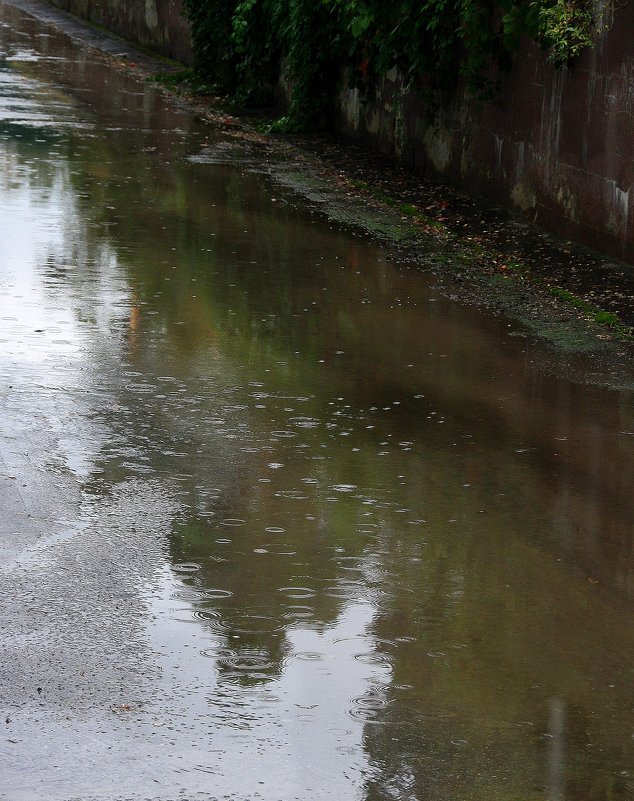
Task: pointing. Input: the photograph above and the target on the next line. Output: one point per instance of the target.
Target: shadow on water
(373, 482)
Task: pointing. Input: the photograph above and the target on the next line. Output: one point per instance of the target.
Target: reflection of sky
(30, 227)
(296, 732)
(28, 103)
(47, 293)
(41, 232)
(37, 213)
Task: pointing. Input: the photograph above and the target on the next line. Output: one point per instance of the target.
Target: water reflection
(400, 554)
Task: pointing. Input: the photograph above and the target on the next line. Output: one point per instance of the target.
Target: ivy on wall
(245, 47)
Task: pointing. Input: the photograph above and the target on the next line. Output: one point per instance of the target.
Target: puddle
(339, 529)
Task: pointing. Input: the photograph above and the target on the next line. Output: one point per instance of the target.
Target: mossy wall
(557, 144)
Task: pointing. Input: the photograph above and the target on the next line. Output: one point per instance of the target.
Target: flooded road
(280, 520)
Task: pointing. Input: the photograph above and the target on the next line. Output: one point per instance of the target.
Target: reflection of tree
(276, 580)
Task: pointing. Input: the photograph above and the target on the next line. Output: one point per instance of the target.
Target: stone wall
(156, 24)
(558, 145)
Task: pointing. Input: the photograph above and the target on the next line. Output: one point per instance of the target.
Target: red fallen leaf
(122, 708)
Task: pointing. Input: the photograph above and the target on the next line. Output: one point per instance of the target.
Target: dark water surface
(300, 526)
